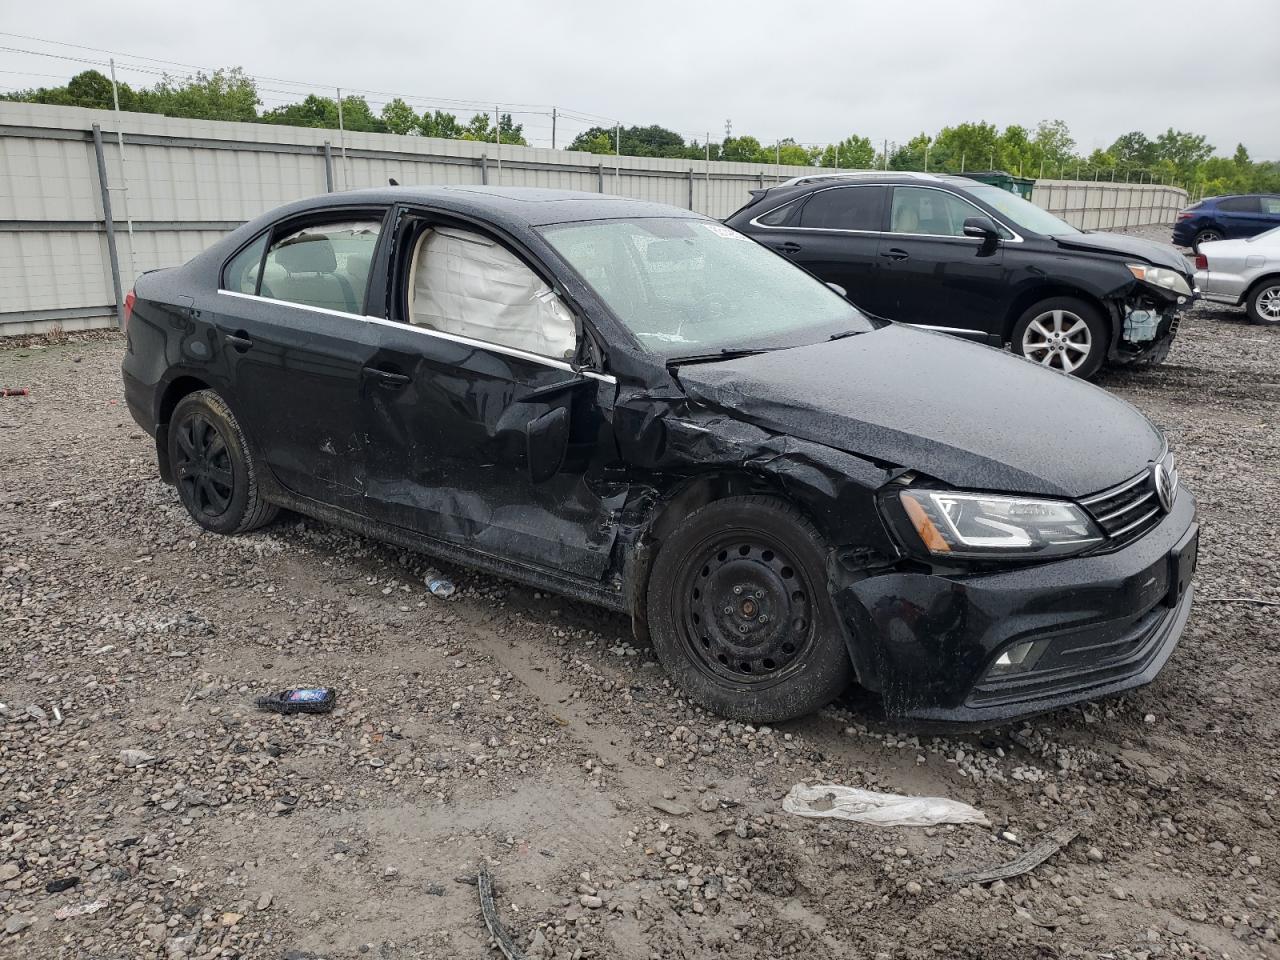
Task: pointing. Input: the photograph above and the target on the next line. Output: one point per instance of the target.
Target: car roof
(506, 206)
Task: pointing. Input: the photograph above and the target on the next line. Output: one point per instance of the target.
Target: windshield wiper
(726, 354)
(845, 333)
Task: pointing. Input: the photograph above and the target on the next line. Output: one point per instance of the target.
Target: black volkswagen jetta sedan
(640, 407)
(978, 262)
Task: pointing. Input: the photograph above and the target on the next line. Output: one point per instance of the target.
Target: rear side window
(1271, 205)
(322, 265)
(845, 208)
(781, 216)
(241, 272)
(1239, 205)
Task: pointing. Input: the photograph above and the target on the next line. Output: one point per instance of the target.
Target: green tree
(967, 146)
(742, 149)
(440, 124)
(89, 88)
(1133, 149)
(399, 117)
(479, 128)
(1053, 144)
(851, 153)
(221, 95)
(314, 111)
(916, 154)
(1185, 151)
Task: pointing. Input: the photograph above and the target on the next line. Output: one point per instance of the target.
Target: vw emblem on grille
(1163, 485)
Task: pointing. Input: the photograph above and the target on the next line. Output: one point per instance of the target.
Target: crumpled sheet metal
(878, 809)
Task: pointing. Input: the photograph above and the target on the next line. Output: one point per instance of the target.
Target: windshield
(1023, 213)
(696, 287)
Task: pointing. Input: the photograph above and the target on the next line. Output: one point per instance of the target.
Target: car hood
(969, 415)
(1119, 244)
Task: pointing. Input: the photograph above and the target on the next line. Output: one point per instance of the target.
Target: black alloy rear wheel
(740, 615)
(216, 477)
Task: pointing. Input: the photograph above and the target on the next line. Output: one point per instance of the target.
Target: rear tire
(739, 612)
(1263, 303)
(213, 470)
(1064, 334)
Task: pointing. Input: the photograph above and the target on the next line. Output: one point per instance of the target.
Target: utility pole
(497, 129)
(553, 128)
(962, 161)
(886, 154)
(124, 177)
(342, 134)
(926, 157)
(617, 156)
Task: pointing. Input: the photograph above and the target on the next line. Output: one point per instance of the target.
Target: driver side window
(465, 284)
(928, 212)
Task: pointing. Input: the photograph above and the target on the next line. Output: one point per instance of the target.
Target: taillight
(1185, 215)
(1202, 262)
(130, 299)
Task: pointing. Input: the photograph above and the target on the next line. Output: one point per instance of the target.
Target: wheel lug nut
(728, 609)
(759, 594)
(743, 628)
(737, 589)
(764, 618)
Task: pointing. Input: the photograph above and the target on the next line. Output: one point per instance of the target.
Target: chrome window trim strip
(438, 334)
(1017, 237)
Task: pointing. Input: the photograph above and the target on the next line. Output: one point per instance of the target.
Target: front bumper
(928, 642)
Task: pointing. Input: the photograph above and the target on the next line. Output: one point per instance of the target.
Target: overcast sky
(886, 70)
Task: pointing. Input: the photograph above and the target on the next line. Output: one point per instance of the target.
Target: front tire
(739, 612)
(213, 470)
(1263, 303)
(1062, 333)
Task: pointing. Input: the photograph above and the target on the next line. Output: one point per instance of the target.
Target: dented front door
(447, 426)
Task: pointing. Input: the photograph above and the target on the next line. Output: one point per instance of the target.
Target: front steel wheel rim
(745, 612)
(1268, 303)
(203, 467)
(1058, 339)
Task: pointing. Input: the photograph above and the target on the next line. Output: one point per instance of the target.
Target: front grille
(1128, 510)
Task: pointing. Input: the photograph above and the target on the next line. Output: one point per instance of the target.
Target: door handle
(789, 247)
(239, 340)
(894, 253)
(388, 377)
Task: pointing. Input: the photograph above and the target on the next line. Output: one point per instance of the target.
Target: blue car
(1226, 218)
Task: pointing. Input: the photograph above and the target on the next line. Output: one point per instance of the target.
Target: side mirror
(547, 439)
(981, 228)
(839, 289)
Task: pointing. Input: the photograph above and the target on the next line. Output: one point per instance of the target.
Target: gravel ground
(525, 732)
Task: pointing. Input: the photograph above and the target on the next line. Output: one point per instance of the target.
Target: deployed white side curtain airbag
(470, 286)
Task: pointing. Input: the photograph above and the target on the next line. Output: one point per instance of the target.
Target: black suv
(952, 254)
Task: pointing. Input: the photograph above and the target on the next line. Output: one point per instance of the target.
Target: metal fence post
(691, 188)
(484, 169)
(600, 180)
(109, 223)
(328, 167)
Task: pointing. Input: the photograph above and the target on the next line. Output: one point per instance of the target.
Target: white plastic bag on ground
(878, 809)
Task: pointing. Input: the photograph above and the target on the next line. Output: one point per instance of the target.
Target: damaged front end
(1145, 314)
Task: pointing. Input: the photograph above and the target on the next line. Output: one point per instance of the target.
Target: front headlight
(1161, 277)
(952, 524)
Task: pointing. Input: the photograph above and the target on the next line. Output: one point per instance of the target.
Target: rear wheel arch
(1247, 300)
(173, 394)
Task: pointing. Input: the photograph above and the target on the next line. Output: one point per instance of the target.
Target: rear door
(834, 233)
(291, 327)
(1242, 216)
(932, 274)
(480, 430)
